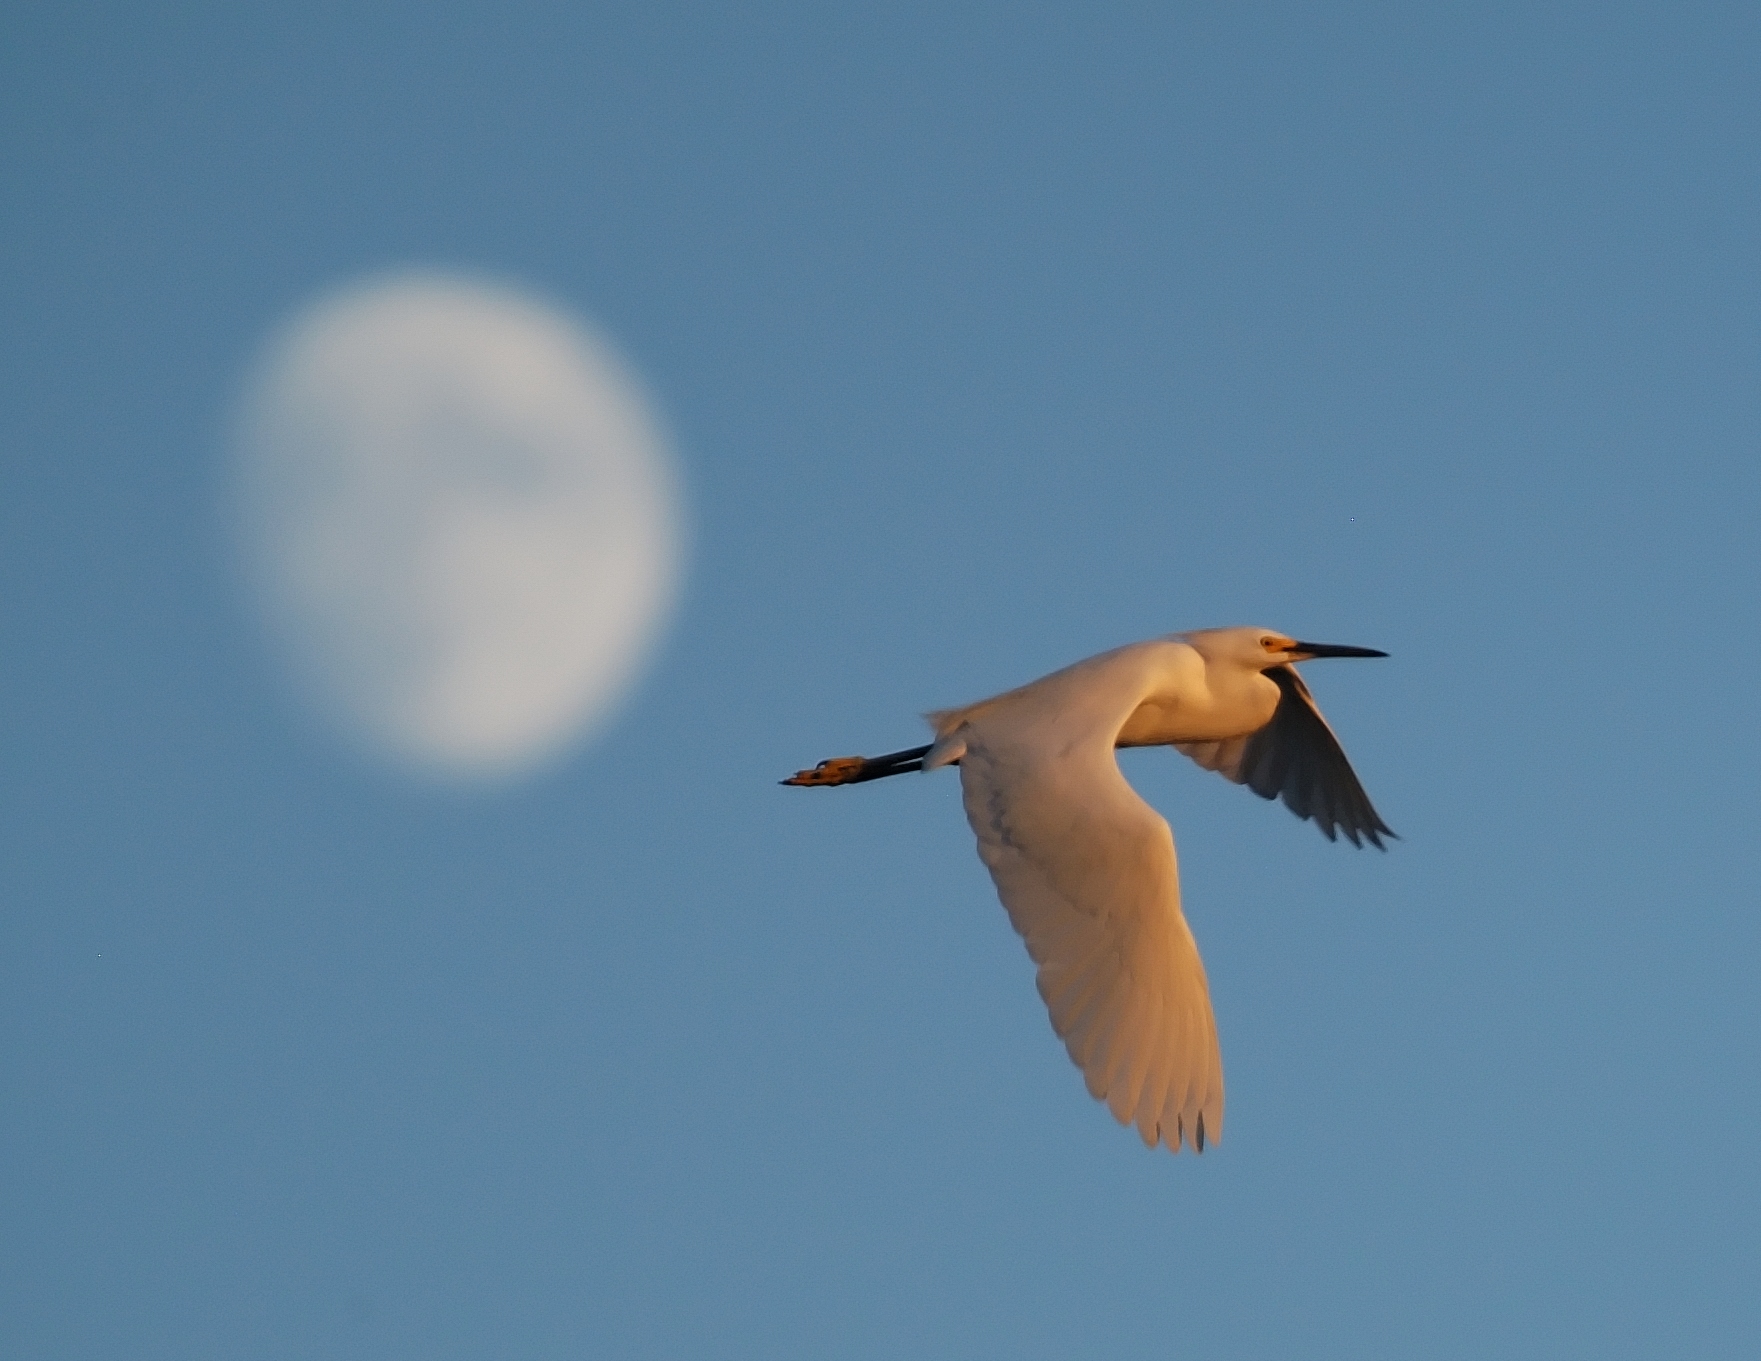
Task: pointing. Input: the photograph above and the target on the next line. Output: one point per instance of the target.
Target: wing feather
(1297, 758)
(1082, 1005)
(1153, 1097)
(1134, 1073)
(1087, 872)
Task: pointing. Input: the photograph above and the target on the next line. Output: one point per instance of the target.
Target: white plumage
(1086, 868)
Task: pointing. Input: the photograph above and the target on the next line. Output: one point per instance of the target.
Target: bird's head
(1259, 649)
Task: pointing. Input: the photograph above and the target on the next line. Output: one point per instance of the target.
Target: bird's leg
(856, 769)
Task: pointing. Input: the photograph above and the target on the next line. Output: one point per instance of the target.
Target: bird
(1086, 869)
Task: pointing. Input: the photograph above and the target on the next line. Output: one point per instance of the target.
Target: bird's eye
(1271, 645)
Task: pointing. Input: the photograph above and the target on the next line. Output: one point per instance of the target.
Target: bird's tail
(950, 743)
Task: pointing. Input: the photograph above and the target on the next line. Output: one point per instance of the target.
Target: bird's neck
(1210, 706)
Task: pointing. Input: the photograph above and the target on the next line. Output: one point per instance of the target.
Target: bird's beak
(1306, 651)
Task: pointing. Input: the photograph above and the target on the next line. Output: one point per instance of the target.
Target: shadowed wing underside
(1087, 872)
(1297, 757)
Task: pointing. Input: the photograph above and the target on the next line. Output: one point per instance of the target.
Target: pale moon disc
(460, 518)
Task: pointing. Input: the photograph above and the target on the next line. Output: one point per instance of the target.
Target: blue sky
(988, 337)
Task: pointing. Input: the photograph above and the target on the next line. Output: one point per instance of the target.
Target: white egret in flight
(1086, 868)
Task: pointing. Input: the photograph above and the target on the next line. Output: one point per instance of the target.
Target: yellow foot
(838, 770)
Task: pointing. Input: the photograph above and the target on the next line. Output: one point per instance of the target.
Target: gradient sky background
(989, 337)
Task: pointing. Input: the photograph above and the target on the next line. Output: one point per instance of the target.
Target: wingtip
(1375, 834)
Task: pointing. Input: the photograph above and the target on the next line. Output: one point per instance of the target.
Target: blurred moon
(460, 519)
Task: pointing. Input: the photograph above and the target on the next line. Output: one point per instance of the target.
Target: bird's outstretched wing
(1297, 757)
(1087, 872)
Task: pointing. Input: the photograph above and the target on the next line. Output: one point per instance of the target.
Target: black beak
(1334, 650)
